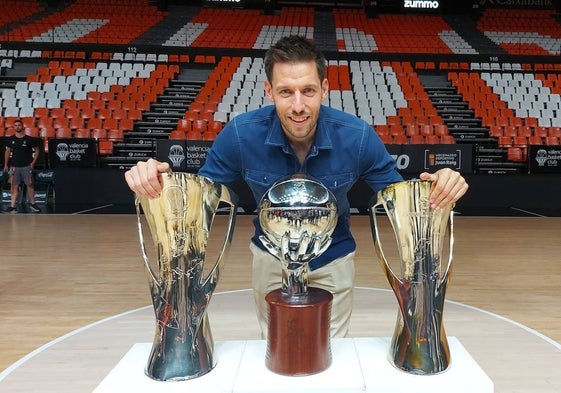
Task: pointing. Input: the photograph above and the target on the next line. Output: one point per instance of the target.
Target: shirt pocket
(260, 181)
(337, 183)
(262, 178)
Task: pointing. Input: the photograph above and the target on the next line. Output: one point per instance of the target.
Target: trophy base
(298, 341)
(176, 357)
(421, 355)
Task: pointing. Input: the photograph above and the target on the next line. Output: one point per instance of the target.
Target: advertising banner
(72, 152)
(190, 155)
(421, 6)
(544, 159)
(429, 158)
(183, 155)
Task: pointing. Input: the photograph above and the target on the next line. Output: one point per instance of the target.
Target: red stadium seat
(105, 147)
(177, 135)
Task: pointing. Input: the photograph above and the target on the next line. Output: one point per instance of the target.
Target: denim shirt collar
(276, 137)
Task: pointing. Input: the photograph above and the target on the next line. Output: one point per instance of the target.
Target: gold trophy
(419, 344)
(298, 216)
(180, 221)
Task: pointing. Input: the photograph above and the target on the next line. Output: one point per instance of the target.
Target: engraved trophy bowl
(298, 215)
(181, 285)
(419, 344)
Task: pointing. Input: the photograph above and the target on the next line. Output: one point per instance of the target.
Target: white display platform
(128, 375)
(463, 376)
(359, 365)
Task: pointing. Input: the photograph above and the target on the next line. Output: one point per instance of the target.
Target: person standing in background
(22, 152)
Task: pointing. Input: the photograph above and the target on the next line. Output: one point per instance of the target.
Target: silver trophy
(180, 221)
(298, 215)
(419, 344)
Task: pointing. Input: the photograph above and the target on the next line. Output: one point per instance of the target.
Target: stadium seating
(109, 92)
(85, 21)
(522, 32)
(396, 34)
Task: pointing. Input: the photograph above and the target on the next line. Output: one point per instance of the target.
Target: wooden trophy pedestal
(298, 340)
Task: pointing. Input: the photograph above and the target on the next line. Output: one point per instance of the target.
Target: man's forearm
(35, 157)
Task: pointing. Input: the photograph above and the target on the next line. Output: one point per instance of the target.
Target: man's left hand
(448, 186)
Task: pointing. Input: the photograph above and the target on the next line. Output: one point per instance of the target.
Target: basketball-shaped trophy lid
(298, 205)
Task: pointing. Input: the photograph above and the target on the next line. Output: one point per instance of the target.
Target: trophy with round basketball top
(298, 215)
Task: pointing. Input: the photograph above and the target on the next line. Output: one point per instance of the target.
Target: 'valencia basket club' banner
(183, 155)
(72, 152)
(544, 158)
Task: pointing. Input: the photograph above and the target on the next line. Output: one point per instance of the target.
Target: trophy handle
(232, 200)
(142, 243)
(450, 246)
(394, 279)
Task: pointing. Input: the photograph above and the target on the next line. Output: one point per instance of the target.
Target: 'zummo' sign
(421, 4)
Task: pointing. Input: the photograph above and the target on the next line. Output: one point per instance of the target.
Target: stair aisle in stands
(324, 31)
(158, 121)
(176, 19)
(467, 29)
(455, 112)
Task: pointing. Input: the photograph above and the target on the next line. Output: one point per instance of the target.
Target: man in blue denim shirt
(300, 135)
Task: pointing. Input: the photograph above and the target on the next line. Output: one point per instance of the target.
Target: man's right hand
(145, 177)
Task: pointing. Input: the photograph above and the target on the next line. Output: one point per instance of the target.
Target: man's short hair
(294, 49)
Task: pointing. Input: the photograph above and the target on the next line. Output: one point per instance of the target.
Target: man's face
(18, 126)
(297, 93)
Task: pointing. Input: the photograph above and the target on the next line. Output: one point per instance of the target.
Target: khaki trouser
(336, 277)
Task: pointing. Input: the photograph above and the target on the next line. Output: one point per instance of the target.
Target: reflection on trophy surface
(180, 221)
(419, 344)
(298, 216)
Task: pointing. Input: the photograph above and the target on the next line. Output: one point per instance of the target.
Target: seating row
(221, 99)
(84, 22)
